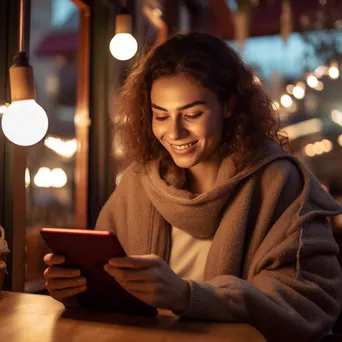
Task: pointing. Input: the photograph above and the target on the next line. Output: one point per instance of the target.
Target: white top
(188, 254)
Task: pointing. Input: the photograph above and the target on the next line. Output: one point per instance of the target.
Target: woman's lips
(184, 148)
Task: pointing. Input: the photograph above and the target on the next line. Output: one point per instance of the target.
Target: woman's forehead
(178, 91)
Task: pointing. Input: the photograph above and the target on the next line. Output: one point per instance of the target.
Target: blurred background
(294, 48)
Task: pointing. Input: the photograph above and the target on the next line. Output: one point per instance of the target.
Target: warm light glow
(289, 88)
(25, 122)
(298, 92)
(336, 116)
(339, 140)
(27, 177)
(3, 109)
(286, 101)
(65, 148)
(43, 178)
(318, 147)
(312, 81)
(327, 145)
(303, 128)
(309, 150)
(257, 80)
(157, 12)
(301, 84)
(275, 105)
(319, 86)
(333, 70)
(321, 71)
(58, 178)
(123, 46)
(46, 178)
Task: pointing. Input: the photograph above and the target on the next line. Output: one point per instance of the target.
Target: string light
(298, 92)
(312, 81)
(333, 70)
(286, 101)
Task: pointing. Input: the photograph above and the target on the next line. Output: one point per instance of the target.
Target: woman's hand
(150, 279)
(62, 283)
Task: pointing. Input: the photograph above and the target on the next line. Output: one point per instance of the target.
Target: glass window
(50, 174)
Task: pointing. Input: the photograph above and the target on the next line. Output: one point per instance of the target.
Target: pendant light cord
(21, 26)
(21, 58)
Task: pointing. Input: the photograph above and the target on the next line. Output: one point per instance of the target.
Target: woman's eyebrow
(195, 103)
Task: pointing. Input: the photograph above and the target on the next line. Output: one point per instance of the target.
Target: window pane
(50, 180)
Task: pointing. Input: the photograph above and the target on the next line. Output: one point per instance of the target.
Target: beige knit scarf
(204, 215)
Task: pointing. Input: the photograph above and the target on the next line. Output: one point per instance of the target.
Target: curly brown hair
(215, 66)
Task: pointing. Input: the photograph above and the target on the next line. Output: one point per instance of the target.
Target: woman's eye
(160, 118)
(194, 116)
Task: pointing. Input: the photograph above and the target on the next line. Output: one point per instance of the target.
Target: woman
(218, 221)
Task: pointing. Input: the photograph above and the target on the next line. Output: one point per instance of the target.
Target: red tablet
(89, 251)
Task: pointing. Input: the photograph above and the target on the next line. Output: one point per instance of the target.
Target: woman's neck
(202, 177)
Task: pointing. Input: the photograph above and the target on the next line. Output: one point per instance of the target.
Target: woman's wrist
(183, 302)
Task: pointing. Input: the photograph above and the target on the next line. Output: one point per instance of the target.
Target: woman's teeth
(183, 147)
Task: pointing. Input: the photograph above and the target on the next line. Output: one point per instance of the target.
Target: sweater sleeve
(293, 289)
(282, 302)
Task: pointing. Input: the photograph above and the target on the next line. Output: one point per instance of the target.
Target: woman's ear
(229, 107)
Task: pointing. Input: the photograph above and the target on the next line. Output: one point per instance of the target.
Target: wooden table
(29, 317)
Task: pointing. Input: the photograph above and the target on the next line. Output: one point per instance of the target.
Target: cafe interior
(60, 166)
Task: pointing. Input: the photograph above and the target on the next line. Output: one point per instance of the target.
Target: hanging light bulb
(24, 122)
(123, 45)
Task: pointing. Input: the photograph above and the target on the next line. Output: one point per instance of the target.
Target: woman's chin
(184, 163)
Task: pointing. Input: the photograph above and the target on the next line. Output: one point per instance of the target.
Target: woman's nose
(176, 129)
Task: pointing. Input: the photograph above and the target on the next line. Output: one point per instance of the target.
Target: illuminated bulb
(3, 109)
(123, 45)
(312, 81)
(298, 92)
(25, 122)
(286, 101)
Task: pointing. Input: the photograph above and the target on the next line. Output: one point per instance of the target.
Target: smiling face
(187, 120)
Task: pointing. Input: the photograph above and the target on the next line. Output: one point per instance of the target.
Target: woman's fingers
(53, 259)
(127, 274)
(60, 295)
(60, 284)
(59, 272)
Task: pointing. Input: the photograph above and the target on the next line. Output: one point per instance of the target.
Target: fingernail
(76, 273)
